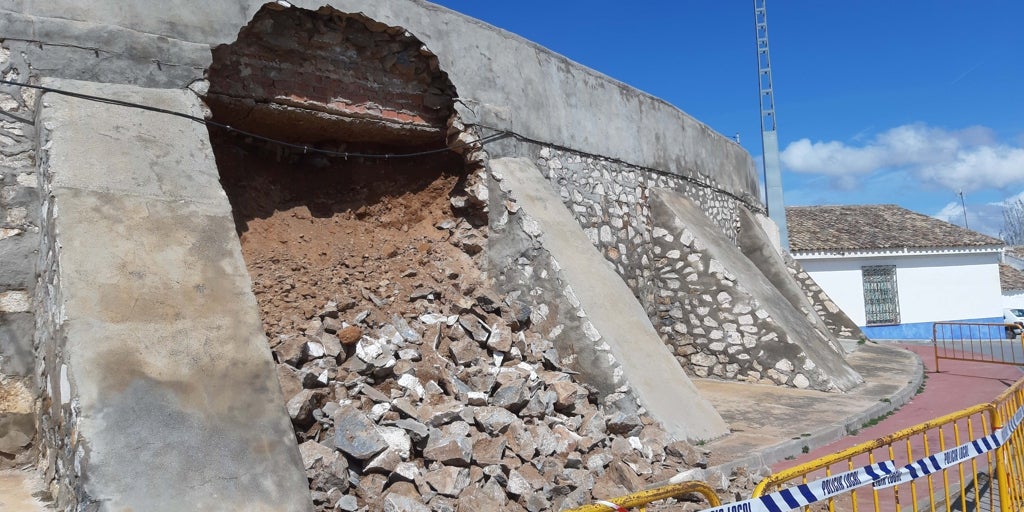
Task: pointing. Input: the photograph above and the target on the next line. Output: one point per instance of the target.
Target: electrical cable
(500, 134)
(207, 122)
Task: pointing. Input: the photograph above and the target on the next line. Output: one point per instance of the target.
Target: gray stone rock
(512, 396)
(291, 351)
(517, 484)
(466, 352)
(300, 407)
(474, 328)
(314, 453)
(331, 344)
(394, 502)
(448, 480)
(489, 450)
(449, 448)
(493, 420)
(347, 503)
(417, 431)
(356, 435)
(500, 338)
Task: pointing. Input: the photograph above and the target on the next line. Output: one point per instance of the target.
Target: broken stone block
(291, 351)
(448, 480)
(356, 435)
(500, 338)
(474, 328)
(314, 453)
(489, 450)
(494, 420)
(395, 502)
(465, 352)
(300, 407)
(450, 449)
(512, 396)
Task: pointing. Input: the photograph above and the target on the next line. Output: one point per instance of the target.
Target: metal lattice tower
(769, 137)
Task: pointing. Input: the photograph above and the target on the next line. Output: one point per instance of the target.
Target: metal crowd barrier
(945, 489)
(969, 460)
(640, 500)
(981, 342)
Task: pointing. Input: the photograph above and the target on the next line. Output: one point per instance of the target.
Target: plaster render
(659, 383)
(157, 364)
(549, 99)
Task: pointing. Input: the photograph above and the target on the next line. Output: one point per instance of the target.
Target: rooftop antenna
(769, 137)
(964, 207)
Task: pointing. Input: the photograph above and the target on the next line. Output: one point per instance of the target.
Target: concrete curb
(759, 463)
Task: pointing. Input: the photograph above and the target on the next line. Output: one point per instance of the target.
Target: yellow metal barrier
(988, 343)
(991, 481)
(1010, 456)
(643, 498)
(903, 447)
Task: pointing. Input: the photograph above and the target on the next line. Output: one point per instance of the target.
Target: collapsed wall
(409, 372)
(336, 83)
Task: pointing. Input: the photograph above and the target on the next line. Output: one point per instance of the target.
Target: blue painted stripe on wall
(916, 331)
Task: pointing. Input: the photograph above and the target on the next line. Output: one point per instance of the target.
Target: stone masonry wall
(609, 200)
(19, 241)
(714, 327)
(835, 319)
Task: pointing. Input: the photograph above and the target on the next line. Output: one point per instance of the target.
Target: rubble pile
(411, 383)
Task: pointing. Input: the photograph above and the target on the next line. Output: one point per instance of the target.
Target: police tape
(880, 475)
(940, 461)
(805, 494)
(952, 456)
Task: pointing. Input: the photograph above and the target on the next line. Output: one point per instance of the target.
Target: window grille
(881, 299)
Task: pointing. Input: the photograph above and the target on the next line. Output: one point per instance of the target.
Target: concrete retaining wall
(503, 81)
(159, 384)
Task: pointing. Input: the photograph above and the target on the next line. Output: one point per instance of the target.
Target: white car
(1013, 316)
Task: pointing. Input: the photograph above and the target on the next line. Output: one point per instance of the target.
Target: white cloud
(982, 217)
(968, 159)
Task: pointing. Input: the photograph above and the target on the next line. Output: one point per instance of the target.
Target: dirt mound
(411, 383)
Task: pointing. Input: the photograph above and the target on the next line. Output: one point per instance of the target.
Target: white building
(895, 272)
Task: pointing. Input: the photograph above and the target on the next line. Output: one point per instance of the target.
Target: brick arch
(326, 77)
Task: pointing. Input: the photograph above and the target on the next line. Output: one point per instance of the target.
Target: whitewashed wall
(932, 287)
(1013, 300)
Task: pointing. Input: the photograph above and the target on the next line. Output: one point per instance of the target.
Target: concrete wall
(932, 288)
(158, 383)
(618, 344)
(552, 99)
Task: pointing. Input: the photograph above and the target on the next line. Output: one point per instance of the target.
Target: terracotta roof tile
(877, 226)
(1010, 279)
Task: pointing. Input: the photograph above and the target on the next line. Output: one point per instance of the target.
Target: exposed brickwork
(331, 65)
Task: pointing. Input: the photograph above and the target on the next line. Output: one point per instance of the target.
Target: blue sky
(878, 101)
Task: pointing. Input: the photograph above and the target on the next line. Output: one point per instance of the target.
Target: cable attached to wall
(304, 148)
(500, 134)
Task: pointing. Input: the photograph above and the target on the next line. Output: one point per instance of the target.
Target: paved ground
(958, 385)
(770, 423)
(780, 428)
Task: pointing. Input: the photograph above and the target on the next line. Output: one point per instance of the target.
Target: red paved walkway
(959, 385)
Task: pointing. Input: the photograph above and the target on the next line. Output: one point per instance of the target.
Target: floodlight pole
(769, 137)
